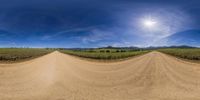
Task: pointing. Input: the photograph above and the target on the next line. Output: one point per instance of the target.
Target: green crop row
(104, 54)
(17, 54)
(185, 53)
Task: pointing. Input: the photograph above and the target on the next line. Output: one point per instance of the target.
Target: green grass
(105, 54)
(18, 54)
(187, 53)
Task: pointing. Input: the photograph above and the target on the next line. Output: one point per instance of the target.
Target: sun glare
(149, 23)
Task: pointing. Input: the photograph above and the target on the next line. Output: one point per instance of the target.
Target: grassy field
(187, 53)
(18, 54)
(105, 54)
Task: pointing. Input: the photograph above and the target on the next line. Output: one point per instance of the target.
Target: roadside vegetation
(105, 54)
(185, 53)
(18, 54)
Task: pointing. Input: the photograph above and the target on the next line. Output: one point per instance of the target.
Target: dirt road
(56, 76)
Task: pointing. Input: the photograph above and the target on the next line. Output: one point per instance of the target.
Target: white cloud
(52, 36)
(96, 35)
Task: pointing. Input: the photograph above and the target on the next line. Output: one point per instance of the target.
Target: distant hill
(189, 37)
(163, 47)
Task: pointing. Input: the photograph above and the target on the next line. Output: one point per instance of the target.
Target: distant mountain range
(189, 37)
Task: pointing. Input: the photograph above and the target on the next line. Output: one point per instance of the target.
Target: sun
(149, 23)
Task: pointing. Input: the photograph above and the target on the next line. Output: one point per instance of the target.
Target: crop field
(18, 54)
(185, 53)
(105, 54)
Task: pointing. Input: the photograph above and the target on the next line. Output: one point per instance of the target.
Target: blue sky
(93, 23)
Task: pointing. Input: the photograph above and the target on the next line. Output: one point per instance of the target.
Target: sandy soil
(56, 76)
